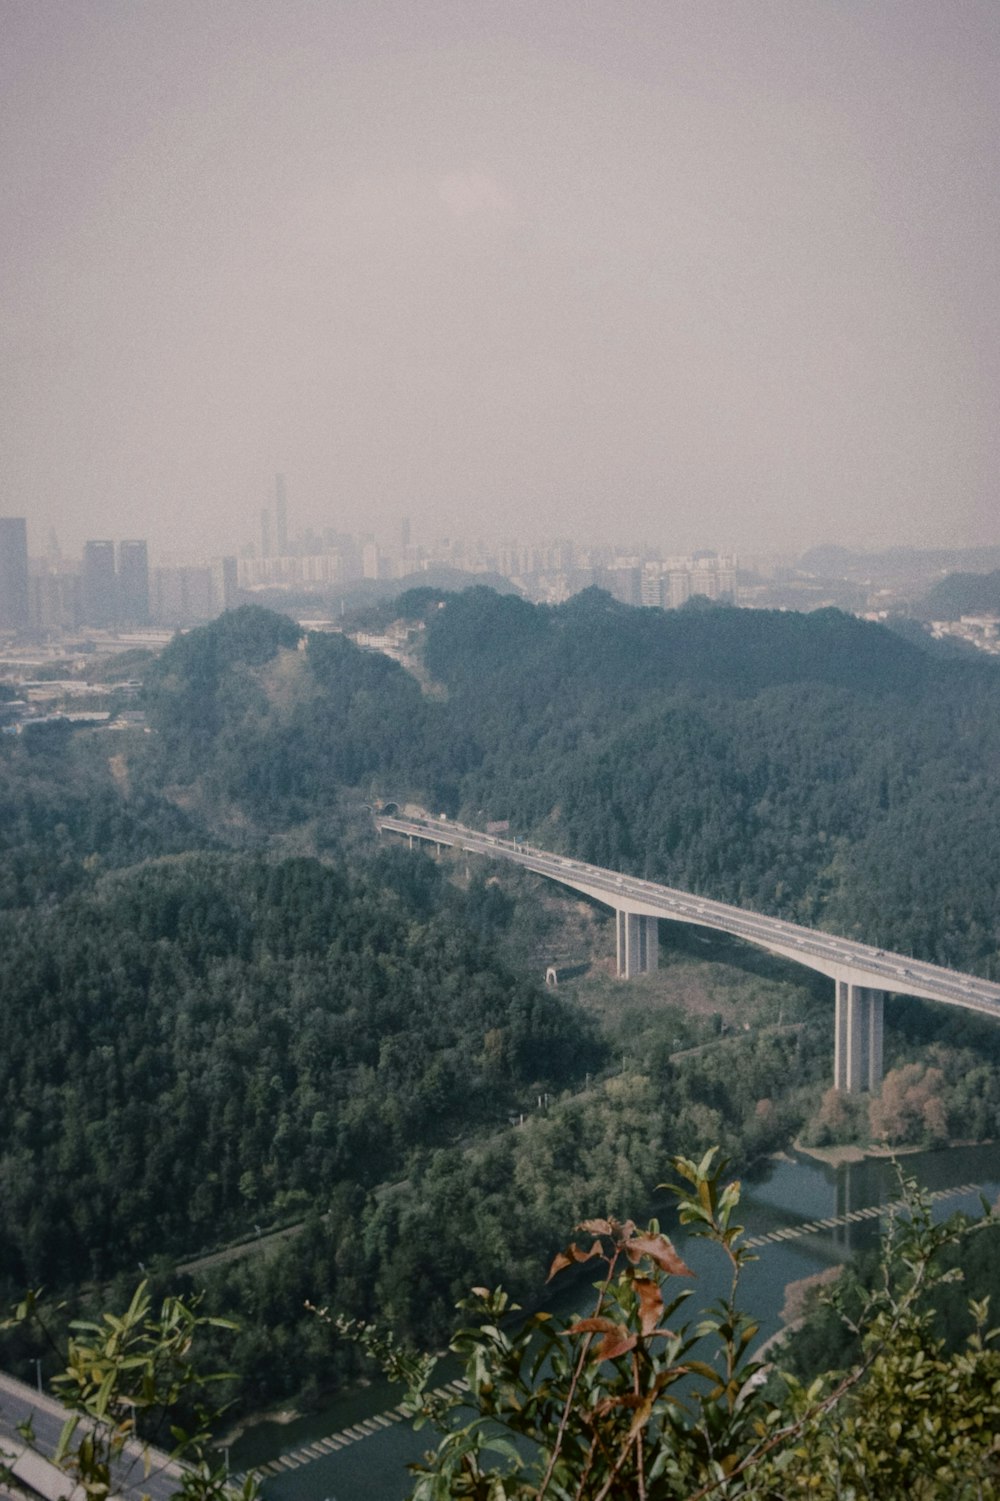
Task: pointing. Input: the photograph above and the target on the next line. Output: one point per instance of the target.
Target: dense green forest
(202, 1039)
(814, 765)
(226, 1009)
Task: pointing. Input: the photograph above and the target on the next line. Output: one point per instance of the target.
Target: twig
(577, 1373)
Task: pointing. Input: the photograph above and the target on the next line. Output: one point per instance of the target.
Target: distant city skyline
(264, 529)
(115, 590)
(260, 542)
(700, 275)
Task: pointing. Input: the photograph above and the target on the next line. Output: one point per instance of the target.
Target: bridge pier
(860, 972)
(857, 1048)
(638, 943)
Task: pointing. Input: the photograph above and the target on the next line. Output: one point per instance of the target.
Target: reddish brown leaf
(650, 1303)
(595, 1325)
(596, 1227)
(559, 1264)
(613, 1345)
(572, 1254)
(659, 1250)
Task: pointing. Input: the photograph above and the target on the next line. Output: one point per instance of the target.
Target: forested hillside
(224, 1007)
(202, 1039)
(962, 594)
(812, 765)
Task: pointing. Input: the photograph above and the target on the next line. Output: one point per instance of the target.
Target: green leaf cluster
(638, 1401)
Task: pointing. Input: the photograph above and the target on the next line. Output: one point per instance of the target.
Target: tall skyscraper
(99, 585)
(265, 533)
(280, 517)
(13, 573)
(133, 584)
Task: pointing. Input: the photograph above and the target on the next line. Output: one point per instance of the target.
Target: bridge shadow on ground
(687, 942)
(684, 940)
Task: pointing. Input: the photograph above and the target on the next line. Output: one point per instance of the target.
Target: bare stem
(577, 1373)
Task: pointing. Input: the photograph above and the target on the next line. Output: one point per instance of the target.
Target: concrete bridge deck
(861, 974)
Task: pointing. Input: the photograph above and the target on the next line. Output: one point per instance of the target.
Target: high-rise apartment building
(55, 601)
(13, 573)
(280, 517)
(99, 585)
(133, 584)
(678, 590)
(654, 585)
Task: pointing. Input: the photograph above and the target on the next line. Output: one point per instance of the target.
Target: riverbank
(281, 1416)
(877, 1151)
(798, 1295)
(794, 1309)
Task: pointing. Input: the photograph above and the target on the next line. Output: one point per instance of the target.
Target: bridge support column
(857, 1049)
(638, 944)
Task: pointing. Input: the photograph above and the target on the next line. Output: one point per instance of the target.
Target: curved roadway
(840, 958)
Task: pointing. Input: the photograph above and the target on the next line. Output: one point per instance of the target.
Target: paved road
(19, 1402)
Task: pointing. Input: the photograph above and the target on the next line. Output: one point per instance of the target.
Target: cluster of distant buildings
(111, 588)
(548, 573)
(46, 705)
(544, 574)
(981, 631)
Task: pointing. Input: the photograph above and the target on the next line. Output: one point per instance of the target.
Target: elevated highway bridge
(861, 974)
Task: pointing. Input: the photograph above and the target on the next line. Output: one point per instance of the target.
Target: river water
(788, 1195)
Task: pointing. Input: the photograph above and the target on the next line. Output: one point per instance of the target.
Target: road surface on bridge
(843, 959)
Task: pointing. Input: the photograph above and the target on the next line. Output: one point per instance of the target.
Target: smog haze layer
(695, 274)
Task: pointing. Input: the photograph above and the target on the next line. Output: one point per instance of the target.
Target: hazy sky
(702, 272)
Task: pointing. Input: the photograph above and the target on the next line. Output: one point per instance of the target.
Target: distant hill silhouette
(362, 592)
(963, 594)
(841, 562)
(594, 639)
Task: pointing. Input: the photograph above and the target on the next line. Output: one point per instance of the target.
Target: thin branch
(588, 1466)
(640, 1459)
(577, 1373)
